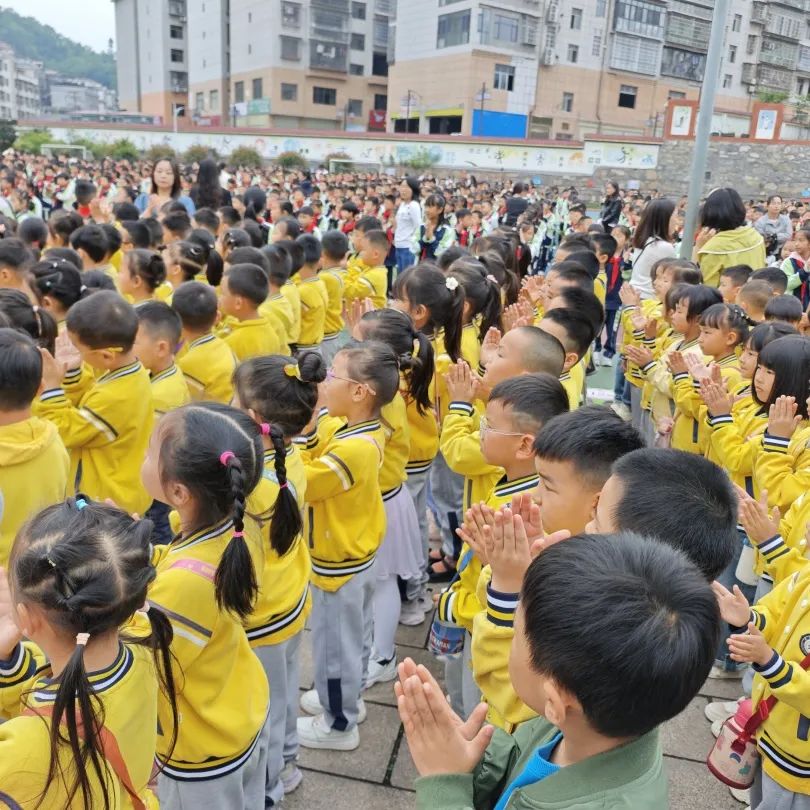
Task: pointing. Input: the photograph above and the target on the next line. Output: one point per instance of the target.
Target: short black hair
(248, 281)
(738, 273)
(786, 308)
(126, 210)
(368, 223)
(33, 232)
(66, 253)
(207, 218)
(249, 255)
(280, 264)
(774, 276)
(62, 223)
(196, 304)
(20, 370)
(114, 239)
(723, 210)
(92, 240)
(311, 247)
(307, 211)
(543, 353)
(573, 274)
(604, 243)
(578, 328)
(703, 522)
(592, 438)
(335, 245)
(585, 303)
(14, 255)
(533, 399)
(84, 190)
(160, 320)
(178, 223)
(139, 234)
(576, 242)
(292, 228)
(637, 607)
(699, 298)
(377, 239)
(155, 231)
(295, 253)
(103, 320)
(588, 260)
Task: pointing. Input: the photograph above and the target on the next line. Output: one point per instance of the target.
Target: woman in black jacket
(611, 206)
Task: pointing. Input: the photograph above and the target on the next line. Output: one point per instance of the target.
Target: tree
(245, 156)
(124, 149)
(421, 159)
(33, 140)
(159, 151)
(772, 96)
(290, 160)
(198, 152)
(7, 133)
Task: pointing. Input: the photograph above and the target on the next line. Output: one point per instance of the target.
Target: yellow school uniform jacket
(314, 301)
(651, 308)
(362, 281)
(424, 430)
(460, 444)
(345, 518)
(290, 292)
(107, 435)
(333, 281)
(459, 603)
(787, 552)
(600, 286)
(397, 432)
(278, 311)
(128, 693)
(658, 392)
(573, 388)
(252, 338)
(284, 600)
(690, 411)
(169, 390)
(208, 364)
(783, 617)
(782, 467)
(34, 473)
(470, 352)
(223, 692)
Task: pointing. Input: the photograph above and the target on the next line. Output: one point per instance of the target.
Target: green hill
(33, 40)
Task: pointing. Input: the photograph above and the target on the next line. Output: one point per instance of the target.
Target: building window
(291, 48)
(505, 28)
(358, 42)
(257, 89)
(802, 87)
(727, 79)
(380, 101)
(639, 17)
(239, 92)
(356, 70)
(355, 107)
(199, 101)
(213, 100)
(751, 44)
(568, 102)
(627, 96)
(600, 8)
(454, 29)
(596, 48)
(379, 64)
(176, 31)
(736, 22)
(359, 11)
(732, 54)
(504, 77)
(289, 92)
(573, 54)
(176, 55)
(576, 19)
(324, 95)
(676, 94)
(291, 15)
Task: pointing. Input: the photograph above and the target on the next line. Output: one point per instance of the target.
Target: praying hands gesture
(640, 355)
(515, 315)
(353, 312)
(472, 531)
(440, 742)
(753, 516)
(698, 370)
(783, 417)
(629, 296)
(10, 634)
(734, 607)
(717, 398)
(462, 382)
(533, 285)
(676, 363)
(489, 348)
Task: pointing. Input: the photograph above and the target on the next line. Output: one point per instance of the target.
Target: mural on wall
(386, 153)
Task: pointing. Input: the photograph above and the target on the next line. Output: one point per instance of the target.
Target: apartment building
(20, 83)
(152, 56)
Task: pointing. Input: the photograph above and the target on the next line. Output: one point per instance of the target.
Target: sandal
(442, 571)
(435, 555)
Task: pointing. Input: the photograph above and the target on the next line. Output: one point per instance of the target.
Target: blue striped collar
(124, 371)
(356, 430)
(101, 680)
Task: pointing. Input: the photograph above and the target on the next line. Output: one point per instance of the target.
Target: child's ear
(571, 359)
(559, 703)
(525, 450)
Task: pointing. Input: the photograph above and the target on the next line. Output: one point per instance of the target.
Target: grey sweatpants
(417, 486)
(281, 664)
(244, 788)
(769, 795)
(460, 683)
(342, 625)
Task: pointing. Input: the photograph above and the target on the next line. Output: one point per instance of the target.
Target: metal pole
(408, 114)
(704, 125)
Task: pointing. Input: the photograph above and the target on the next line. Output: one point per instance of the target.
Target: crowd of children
(218, 429)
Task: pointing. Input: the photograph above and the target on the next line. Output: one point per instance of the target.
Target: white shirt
(409, 218)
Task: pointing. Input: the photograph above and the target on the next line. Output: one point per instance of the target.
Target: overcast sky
(93, 25)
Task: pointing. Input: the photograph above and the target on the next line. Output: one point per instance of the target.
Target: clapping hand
(753, 515)
(750, 647)
(676, 363)
(783, 417)
(489, 348)
(462, 383)
(734, 607)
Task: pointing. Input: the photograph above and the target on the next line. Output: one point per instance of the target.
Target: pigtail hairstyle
(413, 349)
(214, 266)
(147, 265)
(730, 317)
(507, 280)
(190, 257)
(216, 452)
(88, 566)
(426, 285)
(374, 364)
(58, 279)
(286, 523)
(482, 291)
(33, 319)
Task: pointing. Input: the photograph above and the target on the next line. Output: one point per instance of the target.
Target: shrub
(31, 141)
(124, 149)
(421, 159)
(159, 151)
(198, 152)
(245, 156)
(290, 160)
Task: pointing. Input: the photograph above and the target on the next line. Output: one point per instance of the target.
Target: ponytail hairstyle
(58, 280)
(214, 266)
(33, 319)
(216, 452)
(88, 567)
(730, 317)
(508, 281)
(234, 238)
(482, 292)
(789, 360)
(190, 257)
(426, 285)
(148, 266)
(281, 393)
(413, 349)
(374, 364)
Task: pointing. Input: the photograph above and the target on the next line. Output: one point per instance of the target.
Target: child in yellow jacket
(314, 297)
(368, 278)
(335, 246)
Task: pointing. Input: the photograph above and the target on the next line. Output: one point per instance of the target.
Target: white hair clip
(451, 283)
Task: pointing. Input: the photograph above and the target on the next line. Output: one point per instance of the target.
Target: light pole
(176, 110)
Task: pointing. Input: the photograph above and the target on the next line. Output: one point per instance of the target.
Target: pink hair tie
(265, 428)
(226, 457)
(283, 486)
(82, 639)
(238, 534)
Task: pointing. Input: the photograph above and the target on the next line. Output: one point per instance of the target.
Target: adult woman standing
(408, 219)
(611, 206)
(724, 239)
(166, 186)
(652, 241)
(208, 191)
(775, 228)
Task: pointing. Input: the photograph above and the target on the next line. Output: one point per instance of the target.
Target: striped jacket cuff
(775, 444)
(638, 334)
(445, 608)
(465, 408)
(777, 672)
(680, 376)
(17, 668)
(51, 393)
(649, 367)
(72, 375)
(773, 548)
(501, 607)
(649, 342)
(758, 619)
(720, 420)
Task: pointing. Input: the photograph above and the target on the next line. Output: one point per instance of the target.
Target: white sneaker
(721, 710)
(607, 362)
(425, 602)
(742, 796)
(379, 672)
(597, 358)
(311, 704)
(620, 409)
(411, 614)
(313, 732)
(717, 727)
(720, 674)
(291, 777)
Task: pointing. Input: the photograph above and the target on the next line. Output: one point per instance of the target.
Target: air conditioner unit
(548, 56)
